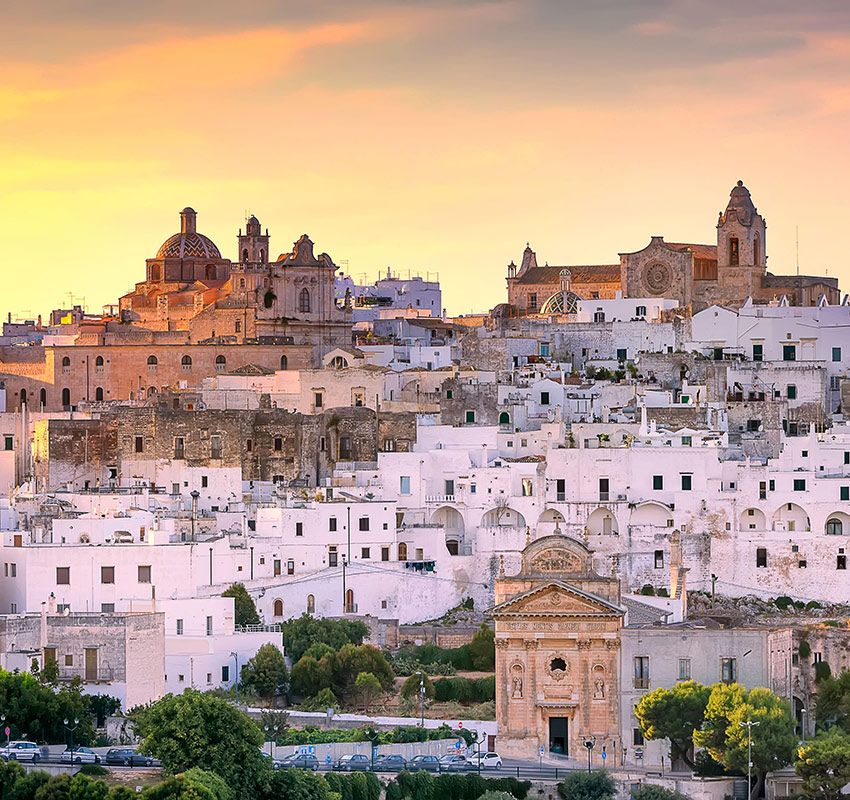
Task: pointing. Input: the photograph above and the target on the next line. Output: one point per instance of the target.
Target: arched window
(42, 398)
(311, 604)
(66, 398)
(220, 363)
(304, 301)
(278, 608)
(834, 527)
(66, 362)
(209, 272)
(23, 397)
(262, 256)
(98, 362)
(151, 391)
(186, 362)
(245, 254)
(98, 394)
(350, 608)
(504, 418)
(734, 253)
(152, 361)
(756, 250)
(284, 362)
(241, 283)
(402, 551)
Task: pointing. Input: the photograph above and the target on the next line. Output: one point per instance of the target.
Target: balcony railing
(440, 498)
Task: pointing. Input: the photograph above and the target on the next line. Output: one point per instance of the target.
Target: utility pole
(749, 724)
(421, 699)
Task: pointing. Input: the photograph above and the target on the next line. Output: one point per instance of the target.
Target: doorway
(558, 735)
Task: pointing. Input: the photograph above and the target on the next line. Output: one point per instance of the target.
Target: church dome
(188, 243)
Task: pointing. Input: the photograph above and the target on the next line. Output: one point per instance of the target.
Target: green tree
(301, 633)
(211, 781)
(649, 791)
(85, 788)
(482, 649)
(197, 729)
(833, 703)
(121, 793)
(352, 659)
(265, 674)
(322, 701)
(491, 795)
(725, 736)
(309, 677)
(410, 687)
(56, 788)
(674, 714)
(368, 687)
(596, 785)
(244, 610)
(824, 765)
(10, 773)
(26, 787)
(293, 784)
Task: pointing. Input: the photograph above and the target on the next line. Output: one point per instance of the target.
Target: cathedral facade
(697, 275)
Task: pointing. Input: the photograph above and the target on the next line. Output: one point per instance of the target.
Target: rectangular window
(761, 557)
(532, 301)
(641, 672)
(144, 573)
(179, 627)
(276, 567)
(345, 448)
(179, 448)
(659, 559)
(365, 552)
(847, 456)
(637, 737)
(13, 570)
(687, 482)
(841, 562)
(140, 444)
(844, 493)
(363, 524)
(333, 558)
(544, 349)
(836, 354)
(527, 487)
(621, 354)
(657, 482)
(317, 399)
(762, 490)
(299, 528)
(225, 673)
(290, 567)
(107, 608)
(205, 481)
(332, 524)
(640, 311)
(544, 398)
(278, 444)
(449, 487)
(758, 352)
(8, 442)
(63, 576)
(404, 484)
(799, 484)
(789, 352)
(729, 670)
(209, 626)
(687, 441)
(470, 417)
(107, 574)
(215, 446)
(771, 485)
(560, 489)
(604, 488)
(684, 669)
(791, 391)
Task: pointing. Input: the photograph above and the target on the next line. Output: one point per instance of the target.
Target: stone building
(557, 652)
(697, 275)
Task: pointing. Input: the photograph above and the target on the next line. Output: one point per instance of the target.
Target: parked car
(486, 760)
(353, 763)
(391, 763)
(427, 763)
(80, 755)
(298, 761)
(21, 751)
(451, 763)
(127, 757)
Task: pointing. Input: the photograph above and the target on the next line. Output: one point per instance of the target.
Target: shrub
(411, 687)
(93, 770)
(649, 791)
(244, 609)
(783, 602)
(805, 649)
(464, 690)
(596, 785)
(322, 701)
(822, 671)
(482, 649)
(648, 591)
(356, 786)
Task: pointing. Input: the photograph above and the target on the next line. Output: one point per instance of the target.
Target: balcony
(439, 499)
(641, 683)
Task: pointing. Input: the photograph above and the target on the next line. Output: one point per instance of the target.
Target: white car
(487, 760)
(80, 755)
(21, 751)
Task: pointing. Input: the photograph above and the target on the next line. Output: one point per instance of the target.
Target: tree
(265, 674)
(674, 714)
(56, 788)
(725, 736)
(649, 791)
(301, 633)
(824, 764)
(309, 677)
(482, 649)
(196, 729)
(596, 785)
(213, 782)
(496, 796)
(294, 784)
(26, 787)
(102, 706)
(244, 610)
(411, 687)
(352, 659)
(368, 687)
(85, 788)
(833, 703)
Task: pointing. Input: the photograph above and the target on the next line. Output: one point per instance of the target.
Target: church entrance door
(558, 735)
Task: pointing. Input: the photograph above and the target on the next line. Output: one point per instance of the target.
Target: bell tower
(741, 232)
(253, 245)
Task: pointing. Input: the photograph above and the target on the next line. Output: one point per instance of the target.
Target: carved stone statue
(599, 689)
(516, 692)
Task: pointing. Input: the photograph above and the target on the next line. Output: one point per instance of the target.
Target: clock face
(657, 277)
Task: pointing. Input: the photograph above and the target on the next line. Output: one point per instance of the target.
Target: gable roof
(596, 606)
(588, 273)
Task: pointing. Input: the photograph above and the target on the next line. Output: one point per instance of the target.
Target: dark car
(353, 763)
(298, 761)
(427, 763)
(390, 763)
(451, 763)
(126, 757)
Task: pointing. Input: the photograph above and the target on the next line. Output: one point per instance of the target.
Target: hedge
(425, 786)
(356, 786)
(464, 690)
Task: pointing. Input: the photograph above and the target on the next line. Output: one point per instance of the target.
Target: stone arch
(550, 521)
(504, 418)
(790, 517)
(42, 398)
(602, 522)
(837, 524)
(284, 362)
(66, 397)
(650, 513)
(503, 517)
(449, 518)
(561, 303)
(752, 519)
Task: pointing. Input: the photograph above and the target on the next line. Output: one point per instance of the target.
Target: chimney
(51, 604)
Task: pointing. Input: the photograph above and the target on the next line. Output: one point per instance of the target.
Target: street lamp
(749, 725)
(421, 698)
(71, 728)
(803, 713)
(589, 743)
(7, 728)
(271, 735)
(235, 657)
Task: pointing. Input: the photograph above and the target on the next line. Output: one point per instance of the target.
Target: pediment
(556, 599)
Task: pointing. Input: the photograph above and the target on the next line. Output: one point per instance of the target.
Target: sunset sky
(431, 136)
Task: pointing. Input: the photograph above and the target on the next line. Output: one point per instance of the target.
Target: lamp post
(803, 713)
(421, 698)
(589, 743)
(749, 725)
(235, 657)
(7, 728)
(271, 735)
(71, 728)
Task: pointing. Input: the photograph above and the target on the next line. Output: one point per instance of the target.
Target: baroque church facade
(697, 275)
